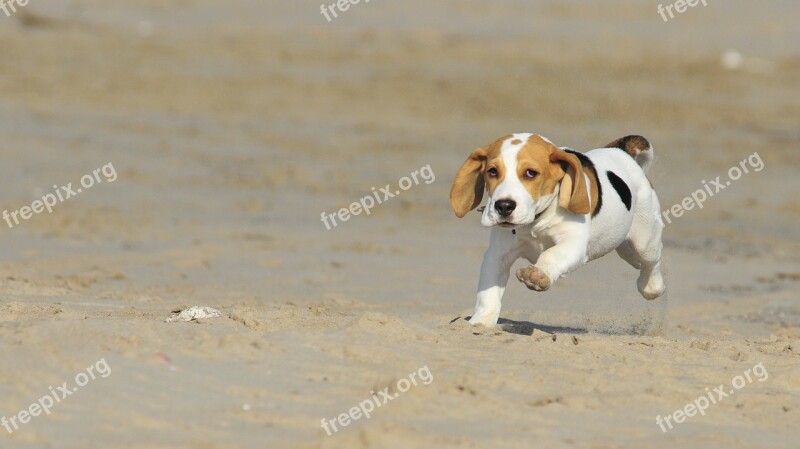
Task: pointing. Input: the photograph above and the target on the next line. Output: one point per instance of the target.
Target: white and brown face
(522, 174)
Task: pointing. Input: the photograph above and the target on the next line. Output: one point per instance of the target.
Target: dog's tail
(639, 149)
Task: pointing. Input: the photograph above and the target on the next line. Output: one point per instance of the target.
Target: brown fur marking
(467, 191)
(592, 175)
(632, 145)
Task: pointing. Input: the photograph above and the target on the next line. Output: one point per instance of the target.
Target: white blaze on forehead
(523, 137)
(512, 186)
(509, 150)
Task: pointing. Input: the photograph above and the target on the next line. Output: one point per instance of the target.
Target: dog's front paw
(533, 278)
(488, 322)
(486, 318)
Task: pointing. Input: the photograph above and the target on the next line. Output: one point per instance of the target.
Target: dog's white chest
(531, 244)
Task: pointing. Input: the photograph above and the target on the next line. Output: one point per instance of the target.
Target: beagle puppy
(560, 209)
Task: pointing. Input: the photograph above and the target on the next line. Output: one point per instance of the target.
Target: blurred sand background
(234, 125)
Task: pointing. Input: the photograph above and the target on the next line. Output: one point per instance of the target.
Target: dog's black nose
(505, 207)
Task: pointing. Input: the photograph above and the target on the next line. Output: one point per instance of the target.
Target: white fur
(561, 241)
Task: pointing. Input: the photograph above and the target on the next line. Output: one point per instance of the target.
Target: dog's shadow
(527, 328)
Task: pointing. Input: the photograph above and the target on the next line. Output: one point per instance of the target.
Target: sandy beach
(190, 148)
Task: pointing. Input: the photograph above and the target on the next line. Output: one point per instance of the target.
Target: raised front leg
(497, 262)
(566, 255)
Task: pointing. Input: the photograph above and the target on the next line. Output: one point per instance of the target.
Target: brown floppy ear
(467, 191)
(573, 193)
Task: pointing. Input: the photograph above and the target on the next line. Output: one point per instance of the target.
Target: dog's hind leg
(642, 249)
(629, 255)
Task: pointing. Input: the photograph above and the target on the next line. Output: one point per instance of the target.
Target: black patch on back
(621, 188)
(587, 163)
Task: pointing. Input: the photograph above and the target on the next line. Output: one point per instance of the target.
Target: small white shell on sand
(194, 313)
(732, 60)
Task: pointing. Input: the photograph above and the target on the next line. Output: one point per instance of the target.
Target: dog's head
(523, 173)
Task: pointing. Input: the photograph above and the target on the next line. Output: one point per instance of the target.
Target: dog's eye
(530, 174)
(492, 172)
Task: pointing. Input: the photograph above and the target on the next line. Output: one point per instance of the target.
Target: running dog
(560, 209)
